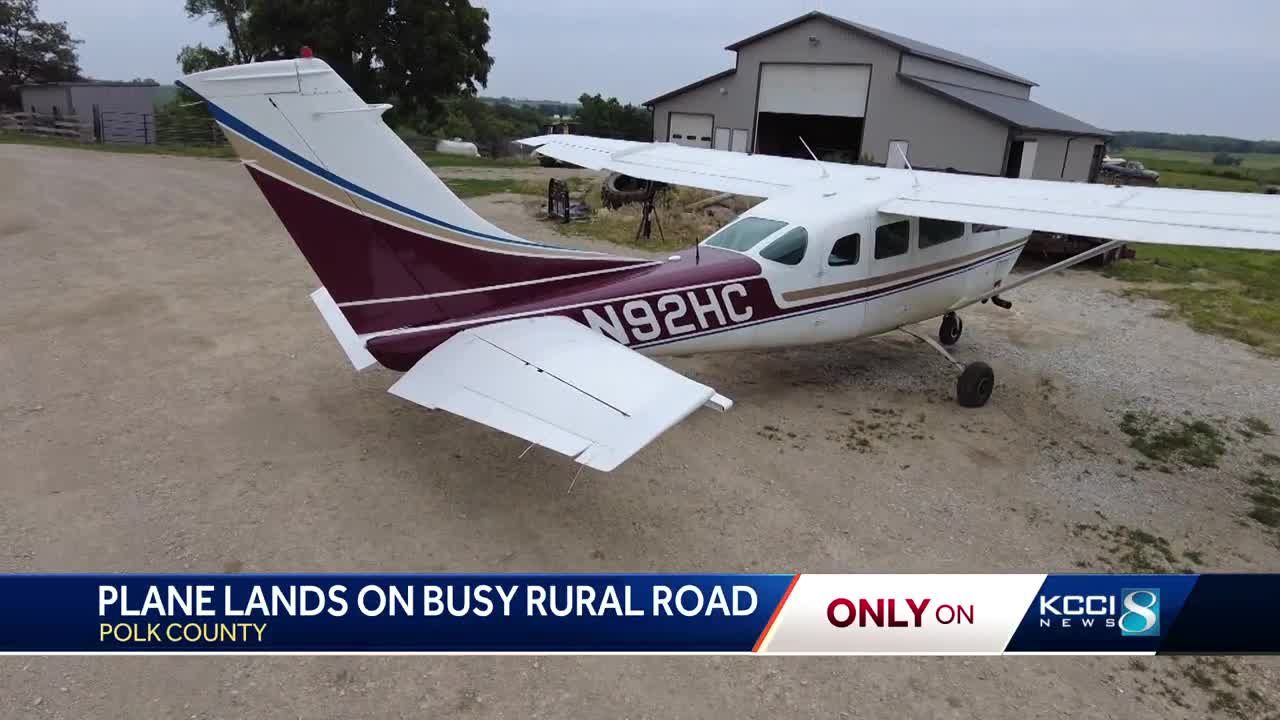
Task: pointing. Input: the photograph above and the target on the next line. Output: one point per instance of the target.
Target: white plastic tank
(457, 146)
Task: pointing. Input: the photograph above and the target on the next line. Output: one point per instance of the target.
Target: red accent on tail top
(358, 257)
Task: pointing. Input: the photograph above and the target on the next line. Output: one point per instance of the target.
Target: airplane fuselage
(717, 299)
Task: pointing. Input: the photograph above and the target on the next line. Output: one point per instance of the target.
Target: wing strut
(1056, 267)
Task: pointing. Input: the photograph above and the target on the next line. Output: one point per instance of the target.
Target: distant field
(1252, 161)
(1195, 170)
(1201, 181)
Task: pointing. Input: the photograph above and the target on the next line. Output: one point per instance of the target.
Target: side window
(977, 228)
(788, 249)
(845, 251)
(935, 232)
(893, 239)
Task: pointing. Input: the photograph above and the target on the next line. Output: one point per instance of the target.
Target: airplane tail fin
(392, 245)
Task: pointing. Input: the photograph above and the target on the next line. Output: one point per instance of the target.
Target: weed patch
(1197, 443)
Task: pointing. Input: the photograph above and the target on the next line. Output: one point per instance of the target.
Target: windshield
(745, 233)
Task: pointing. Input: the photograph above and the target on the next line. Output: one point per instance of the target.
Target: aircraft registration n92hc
(549, 343)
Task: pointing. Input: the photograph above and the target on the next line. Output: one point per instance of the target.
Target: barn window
(845, 251)
(893, 239)
(935, 232)
(788, 249)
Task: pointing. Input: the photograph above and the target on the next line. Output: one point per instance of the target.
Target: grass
(1204, 181)
(680, 229)
(1197, 443)
(435, 160)
(1131, 549)
(1265, 499)
(474, 187)
(1232, 293)
(205, 151)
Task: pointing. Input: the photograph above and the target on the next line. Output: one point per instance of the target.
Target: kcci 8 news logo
(1135, 611)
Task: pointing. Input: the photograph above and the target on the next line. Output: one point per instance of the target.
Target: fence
(110, 126)
(176, 128)
(67, 127)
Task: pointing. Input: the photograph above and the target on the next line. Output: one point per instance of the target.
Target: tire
(950, 330)
(974, 387)
(618, 190)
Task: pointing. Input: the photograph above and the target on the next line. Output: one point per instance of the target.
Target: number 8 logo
(1142, 612)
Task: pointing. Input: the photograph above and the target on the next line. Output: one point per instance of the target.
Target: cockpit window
(788, 249)
(744, 234)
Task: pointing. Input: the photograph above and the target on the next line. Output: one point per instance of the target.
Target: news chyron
(797, 614)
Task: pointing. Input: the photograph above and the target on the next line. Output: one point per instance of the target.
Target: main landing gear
(977, 380)
(950, 330)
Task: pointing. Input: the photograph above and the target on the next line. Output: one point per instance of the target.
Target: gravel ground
(170, 400)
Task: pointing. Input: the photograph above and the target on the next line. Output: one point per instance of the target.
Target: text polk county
(182, 632)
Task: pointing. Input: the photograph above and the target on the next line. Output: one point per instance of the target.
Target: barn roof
(1023, 113)
(906, 44)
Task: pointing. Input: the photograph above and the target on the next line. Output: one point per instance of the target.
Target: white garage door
(814, 89)
(690, 129)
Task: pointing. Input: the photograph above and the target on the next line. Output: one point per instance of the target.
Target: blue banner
(386, 613)
(1101, 613)
(669, 613)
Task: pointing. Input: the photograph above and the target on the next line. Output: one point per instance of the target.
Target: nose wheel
(951, 329)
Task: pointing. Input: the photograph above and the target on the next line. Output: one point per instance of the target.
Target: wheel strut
(977, 380)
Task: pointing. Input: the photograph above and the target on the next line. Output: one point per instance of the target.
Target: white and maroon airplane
(549, 343)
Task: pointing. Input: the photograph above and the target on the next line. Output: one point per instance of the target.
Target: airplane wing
(559, 384)
(717, 170)
(1134, 214)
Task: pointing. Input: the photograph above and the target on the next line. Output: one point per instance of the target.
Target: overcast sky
(1175, 65)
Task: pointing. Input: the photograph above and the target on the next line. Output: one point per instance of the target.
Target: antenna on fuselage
(915, 181)
(815, 157)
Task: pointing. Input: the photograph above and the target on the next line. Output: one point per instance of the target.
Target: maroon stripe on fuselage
(702, 276)
(656, 316)
(358, 257)
(714, 266)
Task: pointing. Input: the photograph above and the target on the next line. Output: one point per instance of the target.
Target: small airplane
(549, 343)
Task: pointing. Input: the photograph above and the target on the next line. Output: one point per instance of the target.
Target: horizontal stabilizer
(351, 343)
(556, 383)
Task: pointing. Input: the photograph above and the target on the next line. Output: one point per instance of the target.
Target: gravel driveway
(170, 400)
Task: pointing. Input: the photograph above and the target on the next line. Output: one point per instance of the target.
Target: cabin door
(893, 258)
(842, 273)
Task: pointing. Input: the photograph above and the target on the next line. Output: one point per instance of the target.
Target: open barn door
(824, 104)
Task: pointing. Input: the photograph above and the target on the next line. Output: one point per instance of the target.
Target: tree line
(427, 58)
(1194, 143)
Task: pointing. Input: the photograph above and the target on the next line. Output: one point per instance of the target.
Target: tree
(32, 50)
(610, 118)
(231, 14)
(412, 52)
(194, 58)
